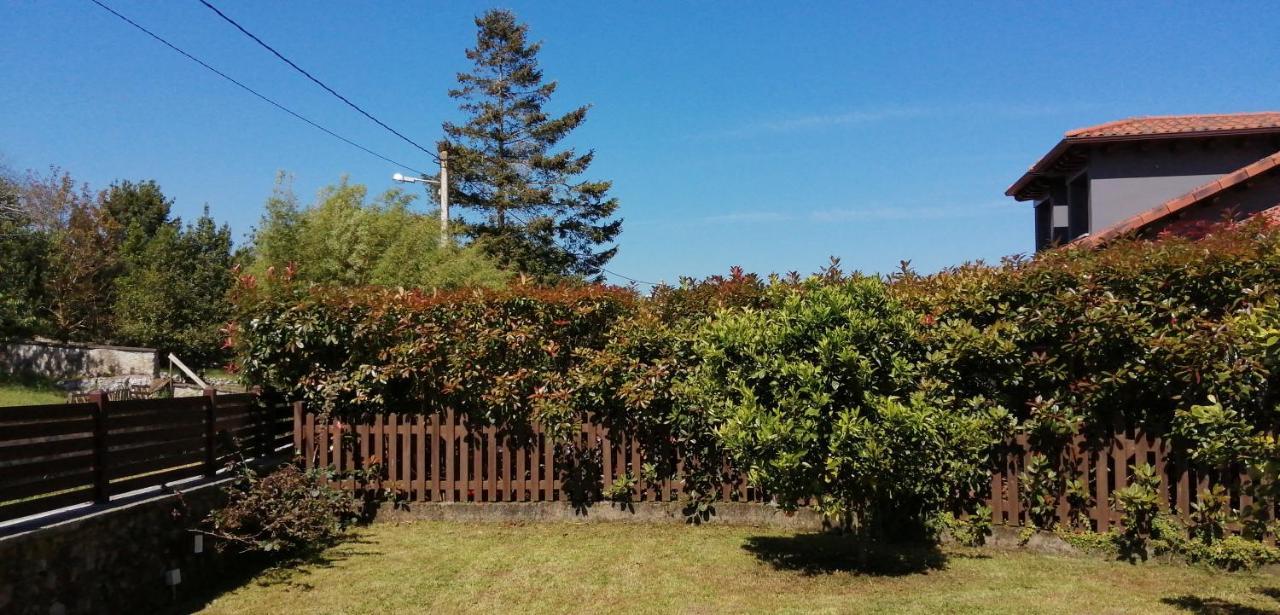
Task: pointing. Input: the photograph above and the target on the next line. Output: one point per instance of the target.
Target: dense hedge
(1124, 335)
(797, 378)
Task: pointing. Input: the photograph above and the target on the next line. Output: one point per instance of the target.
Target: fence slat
(548, 468)
(491, 469)
(297, 433)
(310, 441)
(44, 504)
(393, 466)
(420, 440)
(406, 455)
(1014, 504)
(449, 454)
(606, 451)
(476, 484)
(522, 479)
(508, 467)
(1101, 505)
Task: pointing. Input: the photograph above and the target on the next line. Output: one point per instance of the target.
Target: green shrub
(814, 397)
(1235, 553)
(1139, 503)
(971, 530)
(1122, 335)
(1040, 487)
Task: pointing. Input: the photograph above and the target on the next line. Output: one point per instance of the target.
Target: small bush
(1235, 553)
(970, 531)
(285, 512)
(1139, 503)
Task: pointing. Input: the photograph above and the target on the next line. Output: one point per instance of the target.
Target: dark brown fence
(439, 458)
(1105, 466)
(53, 456)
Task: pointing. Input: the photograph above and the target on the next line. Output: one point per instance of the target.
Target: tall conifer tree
(537, 215)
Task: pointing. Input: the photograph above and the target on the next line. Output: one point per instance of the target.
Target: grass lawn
(439, 567)
(25, 391)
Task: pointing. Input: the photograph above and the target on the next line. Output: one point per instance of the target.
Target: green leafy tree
(347, 239)
(23, 259)
(83, 257)
(538, 217)
(174, 294)
(816, 399)
(138, 208)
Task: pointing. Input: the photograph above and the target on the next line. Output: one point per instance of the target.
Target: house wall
(1260, 194)
(1125, 181)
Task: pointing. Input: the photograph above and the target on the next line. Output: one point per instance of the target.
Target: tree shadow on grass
(1214, 606)
(239, 570)
(1218, 606)
(825, 553)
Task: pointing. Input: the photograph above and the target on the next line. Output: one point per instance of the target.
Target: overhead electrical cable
(255, 92)
(317, 81)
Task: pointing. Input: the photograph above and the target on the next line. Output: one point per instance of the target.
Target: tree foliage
(346, 238)
(817, 398)
(878, 400)
(83, 257)
(138, 209)
(173, 294)
(537, 216)
(23, 261)
(114, 267)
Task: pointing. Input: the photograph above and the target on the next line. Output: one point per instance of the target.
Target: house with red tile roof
(1146, 175)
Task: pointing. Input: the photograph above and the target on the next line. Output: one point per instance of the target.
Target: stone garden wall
(117, 560)
(68, 360)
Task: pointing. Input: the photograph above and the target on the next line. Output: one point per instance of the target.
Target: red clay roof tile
(1179, 124)
(1153, 127)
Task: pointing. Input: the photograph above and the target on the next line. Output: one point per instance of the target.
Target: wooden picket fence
(1105, 468)
(61, 455)
(441, 458)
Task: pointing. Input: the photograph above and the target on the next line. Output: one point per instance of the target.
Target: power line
(255, 92)
(631, 279)
(317, 81)
(295, 114)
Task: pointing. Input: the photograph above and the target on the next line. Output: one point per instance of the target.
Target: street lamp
(443, 184)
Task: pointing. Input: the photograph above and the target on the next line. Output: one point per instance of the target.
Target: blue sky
(763, 134)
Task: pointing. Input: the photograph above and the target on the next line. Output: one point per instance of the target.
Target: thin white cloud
(862, 117)
(843, 214)
(942, 212)
(748, 216)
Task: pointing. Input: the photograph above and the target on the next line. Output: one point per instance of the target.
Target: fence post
(263, 431)
(210, 416)
(100, 493)
(297, 429)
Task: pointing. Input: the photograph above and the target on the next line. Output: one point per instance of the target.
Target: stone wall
(68, 360)
(115, 560)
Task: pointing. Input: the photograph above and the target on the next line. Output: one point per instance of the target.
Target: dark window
(1078, 206)
(1044, 223)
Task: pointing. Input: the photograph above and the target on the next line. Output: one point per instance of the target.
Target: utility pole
(443, 183)
(444, 197)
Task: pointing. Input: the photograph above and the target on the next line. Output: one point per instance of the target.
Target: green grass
(439, 567)
(29, 390)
